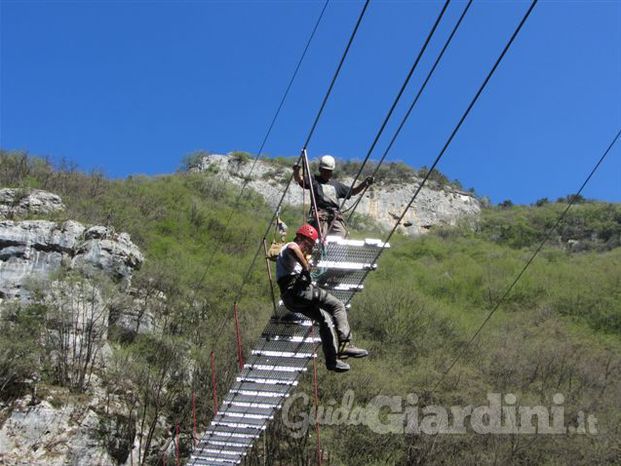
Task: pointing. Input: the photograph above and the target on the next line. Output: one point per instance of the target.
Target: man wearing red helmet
(300, 295)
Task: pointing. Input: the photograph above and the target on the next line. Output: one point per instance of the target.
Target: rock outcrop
(384, 203)
(19, 202)
(36, 248)
(42, 434)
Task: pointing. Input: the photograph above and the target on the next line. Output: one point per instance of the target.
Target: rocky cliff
(58, 426)
(36, 248)
(19, 202)
(384, 202)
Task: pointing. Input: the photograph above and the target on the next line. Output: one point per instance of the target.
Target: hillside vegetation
(557, 332)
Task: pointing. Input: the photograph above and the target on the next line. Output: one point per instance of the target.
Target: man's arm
(368, 181)
(298, 178)
(299, 256)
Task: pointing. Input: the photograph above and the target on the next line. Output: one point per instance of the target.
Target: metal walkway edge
(280, 357)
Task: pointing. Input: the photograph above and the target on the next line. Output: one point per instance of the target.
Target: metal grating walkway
(280, 356)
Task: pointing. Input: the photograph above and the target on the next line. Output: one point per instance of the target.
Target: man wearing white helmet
(328, 191)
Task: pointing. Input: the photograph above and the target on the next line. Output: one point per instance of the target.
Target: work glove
(306, 275)
(369, 180)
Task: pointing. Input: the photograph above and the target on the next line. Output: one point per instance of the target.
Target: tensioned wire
(311, 132)
(459, 124)
(286, 189)
(336, 73)
(263, 142)
(548, 233)
(412, 105)
(398, 97)
(547, 236)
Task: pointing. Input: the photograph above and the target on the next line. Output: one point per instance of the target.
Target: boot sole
(357, 356)
(339, 370)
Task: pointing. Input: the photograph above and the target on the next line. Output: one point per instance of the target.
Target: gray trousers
(321, 307)
(329, 224)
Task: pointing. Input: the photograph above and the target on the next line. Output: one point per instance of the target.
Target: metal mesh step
(263, 389)
(283, 331)
(244, 419)
(225, 448)
(273, 354)
(346, 250)
(284, 376)
(332, 278)
(212, 461)
(302, 346)
(232, 432)
(277, 363)
(250, 407)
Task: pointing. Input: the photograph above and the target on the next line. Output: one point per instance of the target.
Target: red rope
(316, 393)
(240, 350)
(213, 383)
(194, 415)
(177, 446)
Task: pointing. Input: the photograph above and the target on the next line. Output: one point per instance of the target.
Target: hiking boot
(338, 366)
(350, 351)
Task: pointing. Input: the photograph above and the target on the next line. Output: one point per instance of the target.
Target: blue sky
(133, 86)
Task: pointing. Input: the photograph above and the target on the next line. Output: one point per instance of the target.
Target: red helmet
(308, 231)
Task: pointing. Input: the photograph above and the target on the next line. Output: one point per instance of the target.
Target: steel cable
(311, 132)
(458, 126)
(284, 193)
(463, 117)
(264, 141)
(336, 74)
(397, 98)
(547, 236)
(412, 105)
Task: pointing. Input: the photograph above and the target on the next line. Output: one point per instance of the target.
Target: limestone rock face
(55, 426)
(35, 248)
(384, 203)
(17, 202)
(42, 434)
(105, 250)
(31, 249)
(136, 314)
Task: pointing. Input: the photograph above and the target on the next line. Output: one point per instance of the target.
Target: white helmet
(327, 162)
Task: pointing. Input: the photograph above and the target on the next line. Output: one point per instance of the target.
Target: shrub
(20, 350)
(75, 326)
(240, 157)
(435, 176)
(596, 225)
(193, 160)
